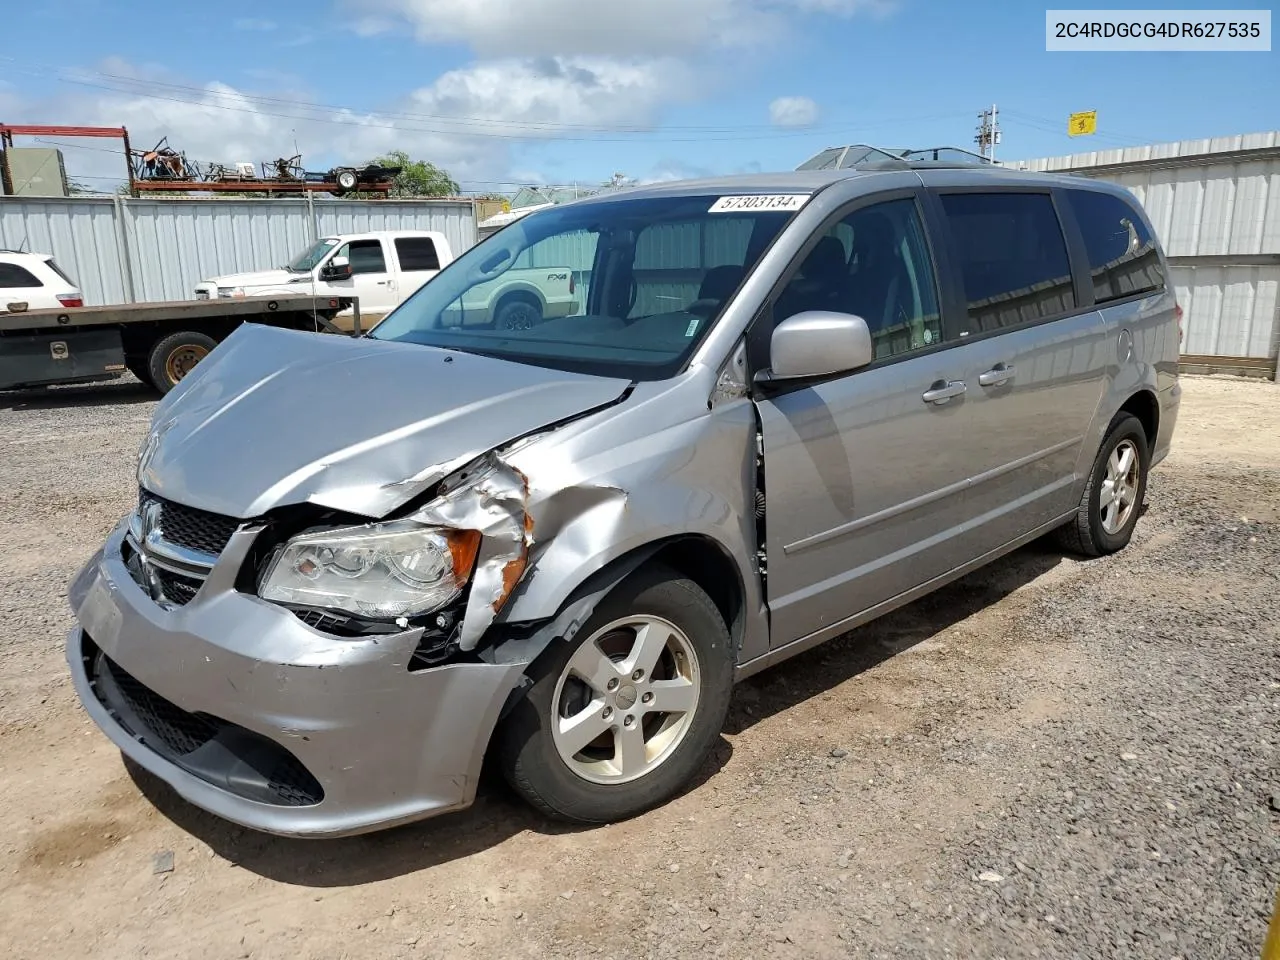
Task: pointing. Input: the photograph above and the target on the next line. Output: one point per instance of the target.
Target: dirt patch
(1099, 735)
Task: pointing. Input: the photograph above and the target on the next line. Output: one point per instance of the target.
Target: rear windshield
(58, 270)
(619, 288)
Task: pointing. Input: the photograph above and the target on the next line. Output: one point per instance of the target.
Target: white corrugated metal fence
(1215, 205)
(122, 250)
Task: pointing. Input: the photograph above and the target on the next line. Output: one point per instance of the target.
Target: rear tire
(174, 356)
(1113, 497)
(656, 640)
(518, 312)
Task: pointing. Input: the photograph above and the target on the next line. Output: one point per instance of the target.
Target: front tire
(1113, 497)
(621, 718)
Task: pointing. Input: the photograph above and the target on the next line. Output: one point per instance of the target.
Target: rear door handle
(1000, 373)
(942, 391)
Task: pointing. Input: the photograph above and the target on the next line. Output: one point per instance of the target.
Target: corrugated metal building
(124, 251)
(1216, 206)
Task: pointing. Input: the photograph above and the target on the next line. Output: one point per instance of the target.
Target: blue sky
(503, 92)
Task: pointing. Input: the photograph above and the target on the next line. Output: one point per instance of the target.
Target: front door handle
(942, 391)
(1000, 373)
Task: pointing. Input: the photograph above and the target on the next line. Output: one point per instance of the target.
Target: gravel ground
(1049, 758)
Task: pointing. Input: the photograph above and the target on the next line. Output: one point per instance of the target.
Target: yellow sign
(1081, 124)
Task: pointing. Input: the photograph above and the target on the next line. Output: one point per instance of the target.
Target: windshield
(306, 261)
(618, 288)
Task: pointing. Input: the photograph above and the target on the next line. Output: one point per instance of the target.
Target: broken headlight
(383, 570)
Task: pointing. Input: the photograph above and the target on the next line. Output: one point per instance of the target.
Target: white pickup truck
(383, 269)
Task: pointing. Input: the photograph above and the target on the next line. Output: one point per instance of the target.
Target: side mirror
(339, 268)
(818, 343)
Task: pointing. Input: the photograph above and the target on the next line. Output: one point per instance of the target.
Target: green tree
(418, 178)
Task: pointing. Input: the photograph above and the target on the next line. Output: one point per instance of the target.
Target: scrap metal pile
(164, 168)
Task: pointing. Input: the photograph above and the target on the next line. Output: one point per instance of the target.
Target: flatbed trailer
(158, 342)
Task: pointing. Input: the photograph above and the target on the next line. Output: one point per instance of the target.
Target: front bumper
(383, 745)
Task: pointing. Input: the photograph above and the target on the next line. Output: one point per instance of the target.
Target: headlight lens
(231, 291)
(396, 569)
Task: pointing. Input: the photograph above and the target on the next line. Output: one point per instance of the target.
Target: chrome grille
(171, 547)
(189, 527)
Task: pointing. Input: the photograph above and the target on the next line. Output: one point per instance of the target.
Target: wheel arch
(138, 338)
(698, 557)
(520, 291)
(1144, 405)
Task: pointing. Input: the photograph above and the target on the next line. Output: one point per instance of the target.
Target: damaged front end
(447, 566)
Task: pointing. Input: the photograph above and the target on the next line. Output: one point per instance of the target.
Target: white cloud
(652, 27)
(549, 96)
(793, 112)
(534, 27)
(670, 169)
(473, 121)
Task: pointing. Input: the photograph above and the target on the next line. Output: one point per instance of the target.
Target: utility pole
(988, 133)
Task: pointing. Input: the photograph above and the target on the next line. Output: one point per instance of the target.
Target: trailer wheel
(173, 357)
(347, 180)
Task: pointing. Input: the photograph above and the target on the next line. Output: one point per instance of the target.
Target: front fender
(691, 479)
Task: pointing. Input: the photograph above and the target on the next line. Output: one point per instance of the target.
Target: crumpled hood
(259, 279)
(275, 417)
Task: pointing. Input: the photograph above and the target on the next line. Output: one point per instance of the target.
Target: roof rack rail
(862, 156)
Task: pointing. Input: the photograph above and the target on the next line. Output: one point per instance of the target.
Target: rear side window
(1123, 259)
(1012, 257)
(365, 256)
(12, 275)
(417, 253)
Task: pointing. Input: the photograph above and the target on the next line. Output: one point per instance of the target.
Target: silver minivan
(783, 405)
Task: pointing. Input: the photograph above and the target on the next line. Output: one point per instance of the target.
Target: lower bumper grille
(215, 750)
(177, 589)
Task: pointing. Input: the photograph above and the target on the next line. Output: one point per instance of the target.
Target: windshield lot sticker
(760, 201)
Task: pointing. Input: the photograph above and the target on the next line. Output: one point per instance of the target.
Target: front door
(370, 279)
(864, 474)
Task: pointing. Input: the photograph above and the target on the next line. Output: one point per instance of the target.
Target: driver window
(365, 256)
(873, 263)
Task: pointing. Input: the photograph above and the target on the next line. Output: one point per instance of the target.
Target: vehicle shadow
(498, 814)
(126, 390)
